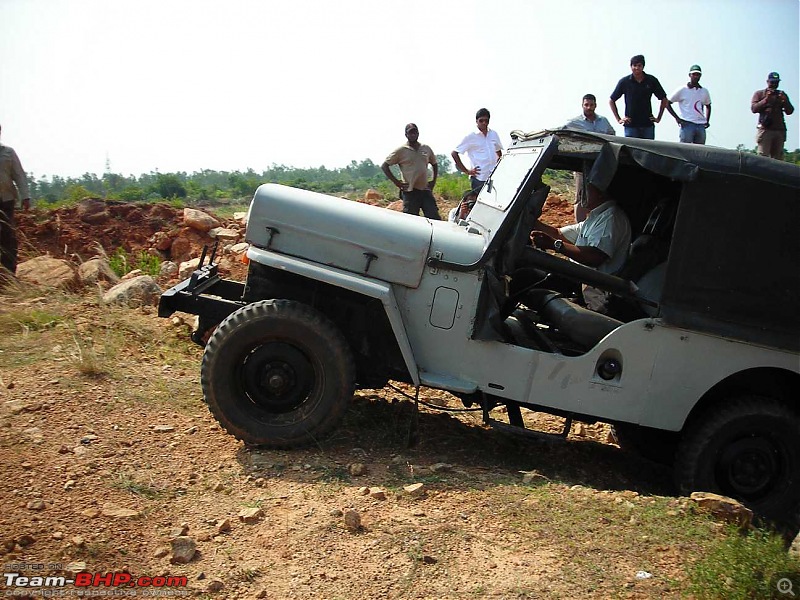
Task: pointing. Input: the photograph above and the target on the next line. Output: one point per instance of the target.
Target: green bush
(742, 566)
(121, 263)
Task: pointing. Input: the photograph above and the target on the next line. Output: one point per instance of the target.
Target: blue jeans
(646, 133)
(692, 133)
(476, 183)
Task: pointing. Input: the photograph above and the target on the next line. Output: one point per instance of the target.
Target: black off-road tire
(748, 449)
(277, 373)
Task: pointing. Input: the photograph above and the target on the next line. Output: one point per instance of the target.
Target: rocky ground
(112, 463)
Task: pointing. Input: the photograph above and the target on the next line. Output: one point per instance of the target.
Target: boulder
(238, 248)
(352, 520)
(161, 241)
(96, 270)
(168, 269)
(722, 507)
(224, 234)
(183, 550)
(93, 210)
(47, 271)
(241, 217)
(251, 515)
(187, 268)
(396, 205)
(138, 291)
(180, 249)
(373, 195)
(197, 219)
(132, 274)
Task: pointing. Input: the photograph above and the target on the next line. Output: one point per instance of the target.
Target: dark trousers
(476, 184)
(414, 200)
(8, 237)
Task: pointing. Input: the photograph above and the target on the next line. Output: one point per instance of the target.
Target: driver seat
(652, 246)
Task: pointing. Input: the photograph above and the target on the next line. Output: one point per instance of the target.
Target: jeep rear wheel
(277, 373)
(749, 449)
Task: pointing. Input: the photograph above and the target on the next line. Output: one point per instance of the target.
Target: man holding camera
(770, 104)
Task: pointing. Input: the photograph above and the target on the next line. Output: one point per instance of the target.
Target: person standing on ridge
(770, 104)
(637, 88)
(590, 121)
(13, 185)
(483, 149)
(694, 106)
(413, 159)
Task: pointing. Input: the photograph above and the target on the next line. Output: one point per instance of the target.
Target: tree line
(207, 186)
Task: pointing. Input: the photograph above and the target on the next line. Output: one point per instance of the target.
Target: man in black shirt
(637, 88)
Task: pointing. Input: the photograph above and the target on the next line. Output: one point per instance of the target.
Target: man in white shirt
(601, 241)
(694, 106)
(483, 149)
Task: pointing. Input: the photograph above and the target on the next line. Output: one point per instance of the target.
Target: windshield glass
(508, 176)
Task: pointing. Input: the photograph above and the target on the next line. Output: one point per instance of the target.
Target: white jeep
(696, 372)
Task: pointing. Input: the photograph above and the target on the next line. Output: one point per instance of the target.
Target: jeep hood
(355, 237)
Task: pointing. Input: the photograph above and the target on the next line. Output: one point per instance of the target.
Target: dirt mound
(95, 227)
(79, 232)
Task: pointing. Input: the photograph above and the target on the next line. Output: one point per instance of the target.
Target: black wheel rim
(750, 468)
(277, 377)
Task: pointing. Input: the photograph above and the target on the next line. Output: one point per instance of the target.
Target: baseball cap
(773, 77)
(411, 126)
(695, 69)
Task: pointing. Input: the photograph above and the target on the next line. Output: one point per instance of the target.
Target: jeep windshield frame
(503, 197)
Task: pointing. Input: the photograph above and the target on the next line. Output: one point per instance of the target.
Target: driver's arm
(586, 255)
(549, 230)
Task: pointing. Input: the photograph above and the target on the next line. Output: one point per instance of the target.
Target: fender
(349, 281)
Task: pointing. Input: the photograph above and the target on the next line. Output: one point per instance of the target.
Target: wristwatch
(558, 245)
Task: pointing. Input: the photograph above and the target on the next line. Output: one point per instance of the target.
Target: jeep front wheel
(277, 373)
(748, 449)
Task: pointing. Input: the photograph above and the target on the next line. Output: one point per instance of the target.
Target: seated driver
(601, 242)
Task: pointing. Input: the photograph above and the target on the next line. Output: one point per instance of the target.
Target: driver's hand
(541, 240)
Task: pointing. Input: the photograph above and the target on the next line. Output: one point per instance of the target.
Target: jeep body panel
(355, 237)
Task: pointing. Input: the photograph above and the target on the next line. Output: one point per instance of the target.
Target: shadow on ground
(376, 431)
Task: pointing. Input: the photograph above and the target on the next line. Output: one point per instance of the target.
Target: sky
(185, 85)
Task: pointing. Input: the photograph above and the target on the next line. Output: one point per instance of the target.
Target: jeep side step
(516, 425)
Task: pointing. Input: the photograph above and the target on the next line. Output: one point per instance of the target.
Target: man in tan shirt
(13, 185)
(413, 159)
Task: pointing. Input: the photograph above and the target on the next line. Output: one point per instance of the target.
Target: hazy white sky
(185, 85)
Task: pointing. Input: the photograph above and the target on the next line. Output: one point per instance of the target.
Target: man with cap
(770, 104)
(483, 148)
(694, 106)
(637, 88)
(13, 185)
(413, 159)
